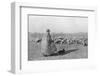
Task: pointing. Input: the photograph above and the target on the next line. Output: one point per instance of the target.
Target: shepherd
(48, 46)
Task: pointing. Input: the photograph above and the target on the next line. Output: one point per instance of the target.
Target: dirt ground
(72, 52)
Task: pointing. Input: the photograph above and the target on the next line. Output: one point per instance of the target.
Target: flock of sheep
(60, 40)
(62, 44)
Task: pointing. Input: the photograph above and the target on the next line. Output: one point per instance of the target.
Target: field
(73, 51)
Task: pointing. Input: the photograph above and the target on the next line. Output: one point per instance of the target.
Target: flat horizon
(58, 24)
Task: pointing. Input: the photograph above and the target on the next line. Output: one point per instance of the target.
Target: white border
(19, 36)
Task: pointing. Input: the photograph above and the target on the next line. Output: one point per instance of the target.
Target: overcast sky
(58, 24)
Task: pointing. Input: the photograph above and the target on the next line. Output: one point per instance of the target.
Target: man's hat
(48, 30)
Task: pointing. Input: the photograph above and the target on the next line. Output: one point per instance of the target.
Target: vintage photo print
(53, 37)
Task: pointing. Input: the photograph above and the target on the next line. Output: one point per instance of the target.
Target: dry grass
(73, 51)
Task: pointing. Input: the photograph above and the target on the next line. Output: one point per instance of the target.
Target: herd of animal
(61, 40)
(57, 45)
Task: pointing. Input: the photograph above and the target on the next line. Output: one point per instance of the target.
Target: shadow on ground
(62, 52)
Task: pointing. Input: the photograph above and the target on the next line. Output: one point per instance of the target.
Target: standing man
(48, 46)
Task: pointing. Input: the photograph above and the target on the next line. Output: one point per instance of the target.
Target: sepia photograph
(55, 37)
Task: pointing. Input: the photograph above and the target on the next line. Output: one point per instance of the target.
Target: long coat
(47, 46)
